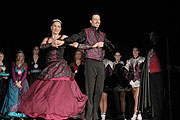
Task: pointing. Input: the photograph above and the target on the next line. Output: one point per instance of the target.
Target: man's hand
(75, 44)
(100, 44)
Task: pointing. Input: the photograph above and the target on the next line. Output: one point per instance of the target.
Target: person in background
(35, 65)
(77, 67)
(55, 94)
(133, 74)
(18, 87)
(108, 68)
(3, 80)
(152, 91)
(3, 74)
(120, 86)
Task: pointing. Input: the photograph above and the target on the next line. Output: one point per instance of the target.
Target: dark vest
(94, 53)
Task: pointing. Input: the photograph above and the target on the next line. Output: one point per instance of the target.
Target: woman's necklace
(35, 58)
(19, 68)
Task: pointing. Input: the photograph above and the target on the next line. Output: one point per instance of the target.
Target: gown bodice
(55, 54)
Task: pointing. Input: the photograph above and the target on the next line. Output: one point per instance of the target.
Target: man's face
(95, 22)
(153, 37)
(135, 52)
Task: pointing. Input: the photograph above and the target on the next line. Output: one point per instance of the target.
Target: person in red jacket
(77, 67)
(151, 95)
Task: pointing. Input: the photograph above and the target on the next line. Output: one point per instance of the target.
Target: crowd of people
(91, 87)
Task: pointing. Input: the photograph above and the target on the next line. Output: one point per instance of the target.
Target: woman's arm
(44, 44)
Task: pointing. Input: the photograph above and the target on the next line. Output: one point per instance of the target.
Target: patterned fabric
(154, 63)
(55, 70)
(134, 68)
(3, 84)
(95, 53)
(55, 94)
(35, 71)
(19, 73)
(54, 54)
(13, 97)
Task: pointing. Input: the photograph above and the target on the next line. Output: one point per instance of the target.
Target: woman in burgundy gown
(55, 94)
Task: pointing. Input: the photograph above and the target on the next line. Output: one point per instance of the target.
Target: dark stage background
(126, 23)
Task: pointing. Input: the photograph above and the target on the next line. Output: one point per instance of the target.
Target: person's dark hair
(35, 47)
(55, 20)
(157, 30)
(95, 13)
(1, 53)
(135, 48)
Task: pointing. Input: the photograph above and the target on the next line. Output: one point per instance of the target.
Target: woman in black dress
(3, 79)
(35, 64)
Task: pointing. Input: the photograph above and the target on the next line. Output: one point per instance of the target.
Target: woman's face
(78, 55)
(36, 50)
(20, 56)
(56, 28)
(117, 56)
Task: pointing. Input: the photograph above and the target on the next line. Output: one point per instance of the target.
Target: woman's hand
(18, 84)
(75, 44)
(59, 42)
(54, 44)
(5, 77)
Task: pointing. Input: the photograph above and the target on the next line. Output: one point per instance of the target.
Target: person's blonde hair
(23, 61)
